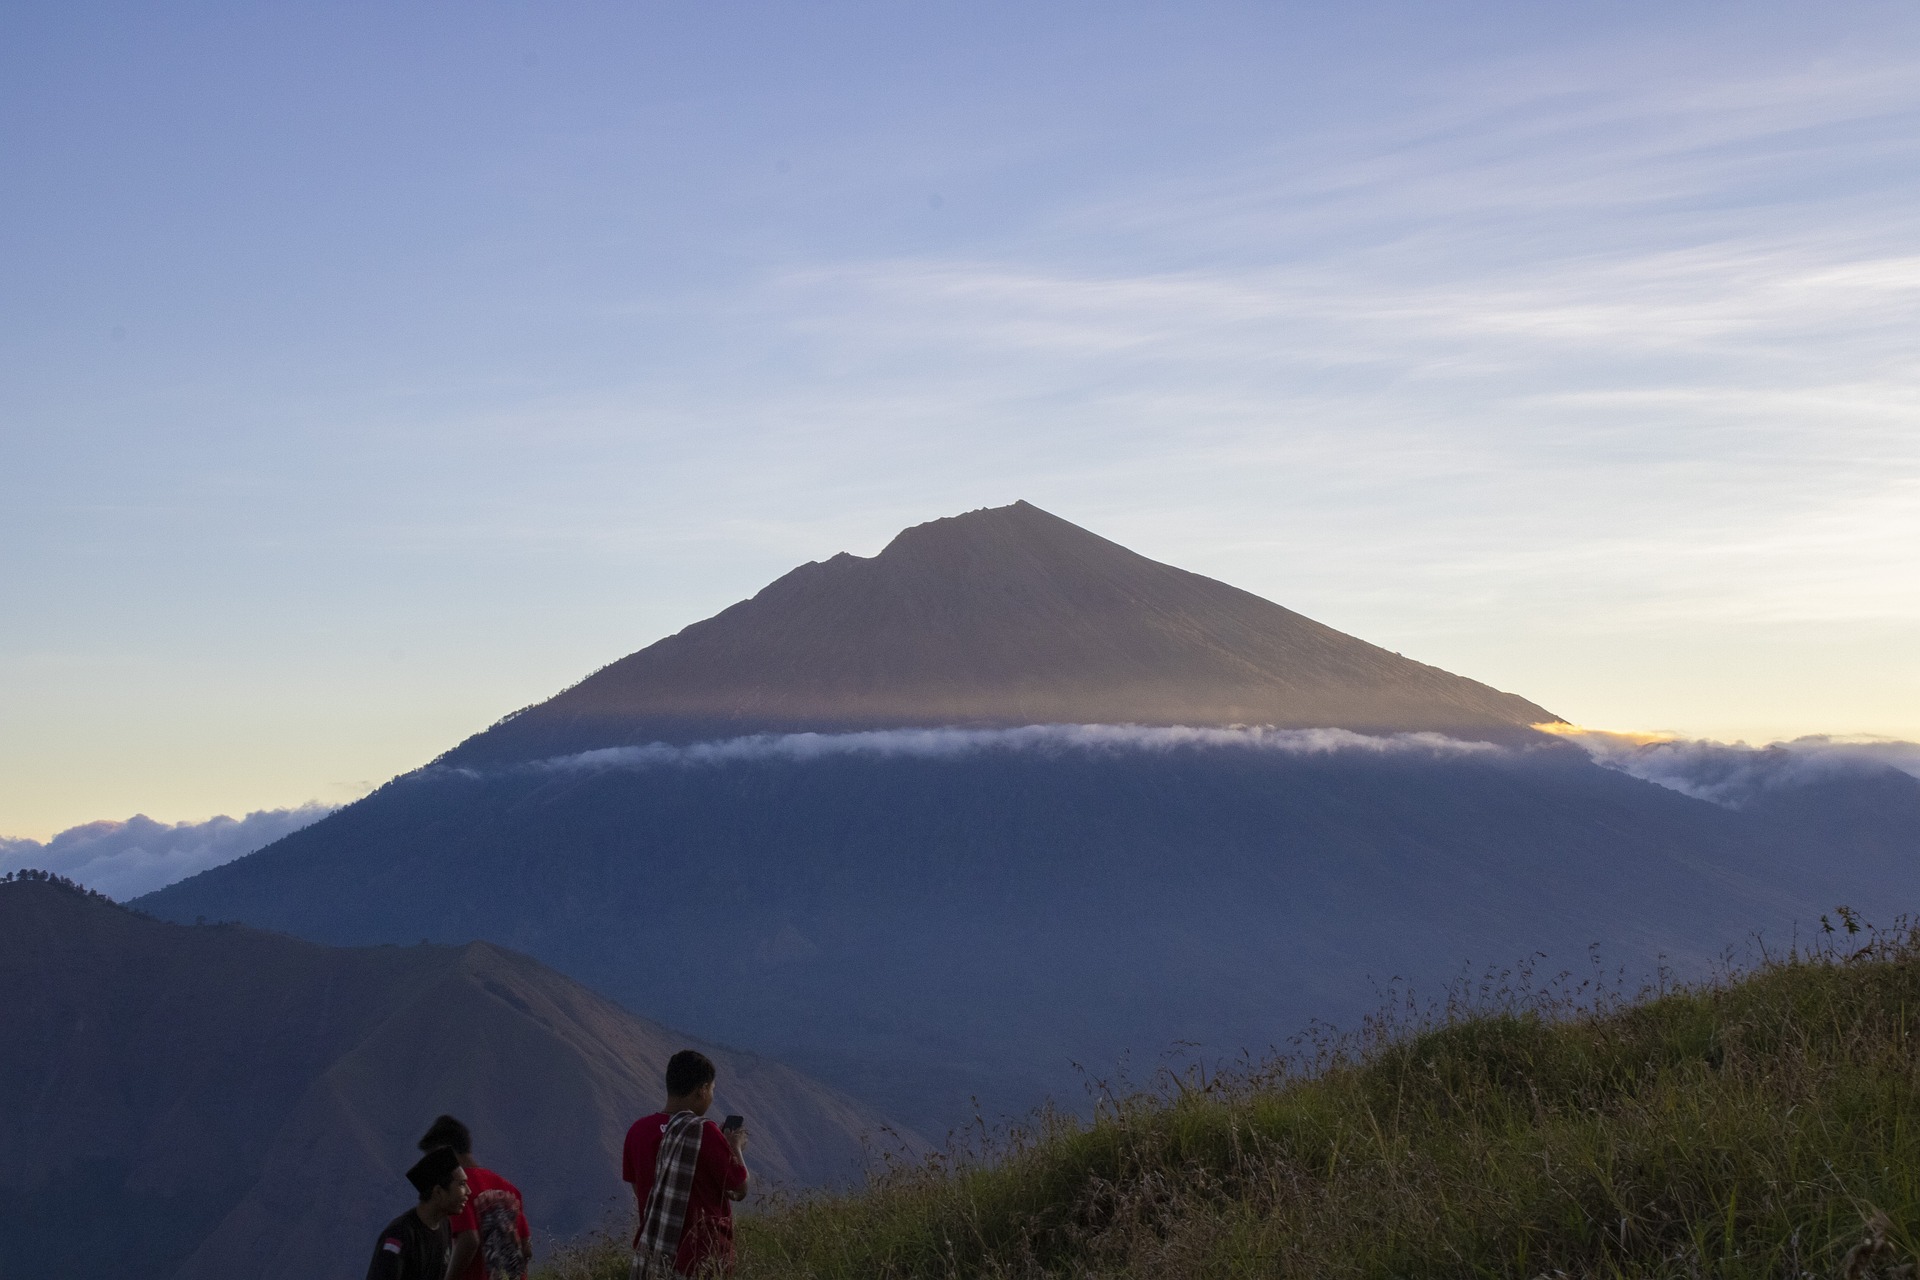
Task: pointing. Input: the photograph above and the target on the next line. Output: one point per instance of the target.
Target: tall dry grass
(1746, 1127)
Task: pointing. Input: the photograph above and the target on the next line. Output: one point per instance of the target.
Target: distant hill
(217, 1101)
(1003, 616)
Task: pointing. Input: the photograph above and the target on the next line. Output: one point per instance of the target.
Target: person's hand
(737, 1142)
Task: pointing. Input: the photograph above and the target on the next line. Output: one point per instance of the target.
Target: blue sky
(367, 372)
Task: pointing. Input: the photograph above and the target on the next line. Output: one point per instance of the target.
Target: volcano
(1003, 616)
(938, 824)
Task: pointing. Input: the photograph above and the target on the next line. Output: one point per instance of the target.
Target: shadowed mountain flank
(1002, 616)
(213, 1100)
(922, 931)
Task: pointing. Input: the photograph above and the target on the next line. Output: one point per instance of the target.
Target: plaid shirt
(659, 1243)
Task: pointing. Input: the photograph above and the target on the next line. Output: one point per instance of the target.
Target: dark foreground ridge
(1002, 616)
(187, 1101)
(1742, 1130)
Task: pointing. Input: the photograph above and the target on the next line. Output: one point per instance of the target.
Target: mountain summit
(1002, 616)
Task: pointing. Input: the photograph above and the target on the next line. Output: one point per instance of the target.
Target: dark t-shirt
(707, 1237)
(409, 1249)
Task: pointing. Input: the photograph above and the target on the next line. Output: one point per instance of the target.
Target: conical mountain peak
(986, 529)
(1000, 616)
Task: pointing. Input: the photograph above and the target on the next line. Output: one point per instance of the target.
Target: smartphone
(733, 1122)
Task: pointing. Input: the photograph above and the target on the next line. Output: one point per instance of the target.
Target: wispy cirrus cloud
(1632, 345)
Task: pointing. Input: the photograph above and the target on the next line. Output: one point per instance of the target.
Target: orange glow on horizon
(1565, 730)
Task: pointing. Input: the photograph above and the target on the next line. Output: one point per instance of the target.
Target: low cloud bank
(126, 859)
(941, 744)
(1729, 774)
(1735, 774)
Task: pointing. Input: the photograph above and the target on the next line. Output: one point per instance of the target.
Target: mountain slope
(924, 930)
(932, 915)
(213, 1101)
(1002, 616)
(1739, 1131)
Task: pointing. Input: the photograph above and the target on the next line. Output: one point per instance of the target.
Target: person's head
(440, 1180)
(690, 1081)
(448, 1132)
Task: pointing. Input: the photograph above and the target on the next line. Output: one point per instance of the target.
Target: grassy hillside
(1743, 1128)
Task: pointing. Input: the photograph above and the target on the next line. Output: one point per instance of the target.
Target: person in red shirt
(491, 1239)
(720, 1174)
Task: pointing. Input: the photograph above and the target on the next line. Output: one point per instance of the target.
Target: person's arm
(737, 1177)
(465, 1245)
(463, 1228)
(386, 1259)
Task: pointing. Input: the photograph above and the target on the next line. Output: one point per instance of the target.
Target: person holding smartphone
(686, 1172)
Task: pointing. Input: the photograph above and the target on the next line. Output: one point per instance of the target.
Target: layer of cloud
(1729, 774)
(948, 743)
(1735, 774)
(126, 859)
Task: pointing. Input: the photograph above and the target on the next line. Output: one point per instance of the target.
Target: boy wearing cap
(414, 1245)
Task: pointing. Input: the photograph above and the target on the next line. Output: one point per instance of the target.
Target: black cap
(432, 1170)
